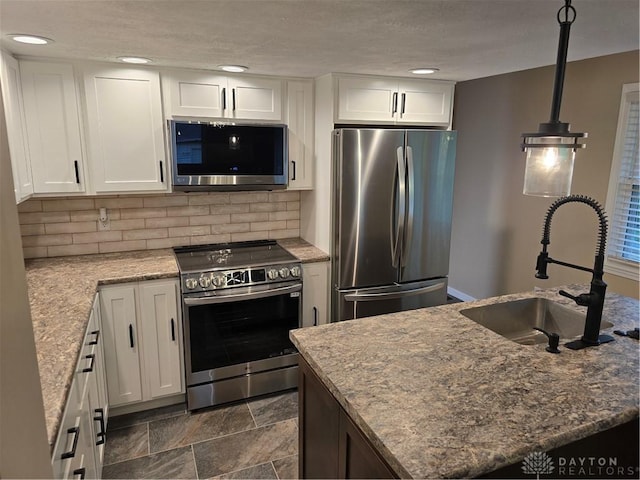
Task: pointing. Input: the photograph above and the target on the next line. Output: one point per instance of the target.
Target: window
(623, 198)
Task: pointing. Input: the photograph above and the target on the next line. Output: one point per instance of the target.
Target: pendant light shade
(551, 150)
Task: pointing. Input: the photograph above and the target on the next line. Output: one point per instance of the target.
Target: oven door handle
(242, 296)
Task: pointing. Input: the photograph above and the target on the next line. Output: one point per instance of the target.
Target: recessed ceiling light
(134, 60)
(233, 68)
(30, 39)
(424, 70)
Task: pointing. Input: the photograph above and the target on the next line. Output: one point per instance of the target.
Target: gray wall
(24, 451)
(496, 230)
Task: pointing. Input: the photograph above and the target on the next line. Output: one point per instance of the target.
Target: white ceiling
(465, 39)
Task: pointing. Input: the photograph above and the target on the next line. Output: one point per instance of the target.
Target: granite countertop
(61, 292)
(440, 396)
(303, 250)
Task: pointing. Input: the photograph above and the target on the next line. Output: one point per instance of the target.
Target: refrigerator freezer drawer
(367, 302)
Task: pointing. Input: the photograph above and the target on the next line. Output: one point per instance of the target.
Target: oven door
(245, 330)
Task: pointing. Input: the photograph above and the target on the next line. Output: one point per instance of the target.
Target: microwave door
(210, 156)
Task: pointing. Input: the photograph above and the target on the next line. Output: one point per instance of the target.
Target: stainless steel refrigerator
(393, 195)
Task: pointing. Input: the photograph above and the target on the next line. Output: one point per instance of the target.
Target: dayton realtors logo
(537, 463)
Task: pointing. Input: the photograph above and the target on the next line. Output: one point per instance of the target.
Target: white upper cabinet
(195, 94)
(13, 110)
(53, 127)
(423, 101)
(387, 100)
(125, 137)
(205, 94)
(367, 99)
(299, 118)
(255, 98)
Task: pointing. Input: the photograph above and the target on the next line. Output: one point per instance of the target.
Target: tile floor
(253, 439)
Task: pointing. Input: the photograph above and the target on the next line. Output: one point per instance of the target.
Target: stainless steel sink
(515, 320)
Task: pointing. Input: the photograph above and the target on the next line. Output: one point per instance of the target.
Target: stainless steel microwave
(215, 156)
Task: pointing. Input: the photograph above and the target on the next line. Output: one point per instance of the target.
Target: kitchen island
(437, 395)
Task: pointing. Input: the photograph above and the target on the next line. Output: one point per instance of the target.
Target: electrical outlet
(104, 225)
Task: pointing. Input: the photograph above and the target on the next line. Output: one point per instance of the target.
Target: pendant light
(551, 150)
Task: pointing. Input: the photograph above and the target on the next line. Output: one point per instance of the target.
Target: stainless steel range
(239, 302)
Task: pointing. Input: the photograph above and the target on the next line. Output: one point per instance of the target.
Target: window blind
(624, 237)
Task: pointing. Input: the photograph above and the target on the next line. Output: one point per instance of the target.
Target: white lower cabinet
(315, 294)
(79, 448)
(142, 339)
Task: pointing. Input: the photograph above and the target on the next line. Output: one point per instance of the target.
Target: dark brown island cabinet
(331, 445)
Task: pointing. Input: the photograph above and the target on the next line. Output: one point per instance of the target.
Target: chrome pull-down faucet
(594, 300)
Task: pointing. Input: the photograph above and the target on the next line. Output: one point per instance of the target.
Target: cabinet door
(13, 110)
(357, 458)
(300, 122)
(195, 94)
(125, 130)
(364, 100)
(121, 345)
(53, 128)
(315, 293)
(423, 101)
(319, 424)
(160, 325)
(84, 461)
(255, 99)
(98, 401)
(101, 374)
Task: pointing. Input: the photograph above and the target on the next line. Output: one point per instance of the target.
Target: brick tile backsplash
(69, 226)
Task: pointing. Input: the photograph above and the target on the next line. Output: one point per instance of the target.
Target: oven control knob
(284, 272)
(272, 273)
(218, 280)
(204, 281)
(191, 283)
(295, 271)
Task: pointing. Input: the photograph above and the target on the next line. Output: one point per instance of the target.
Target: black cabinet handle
(173, 330)
(161, 173)
(92, 359)
(404, 98)
(81, 472)
(224, 99)
(77, 170)
(233, 99)
(293, 164)
(100, 418)
(131, 336)
(394, 107)
(95, 340)
(315, 317)
(72, 453)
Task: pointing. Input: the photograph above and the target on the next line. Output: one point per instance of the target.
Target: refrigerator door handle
(370, 297)
(408, 234)
(396, 246)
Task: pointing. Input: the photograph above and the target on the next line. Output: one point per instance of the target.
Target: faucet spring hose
(602, 217)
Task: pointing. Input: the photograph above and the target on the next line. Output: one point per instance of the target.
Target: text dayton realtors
(593, 466)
